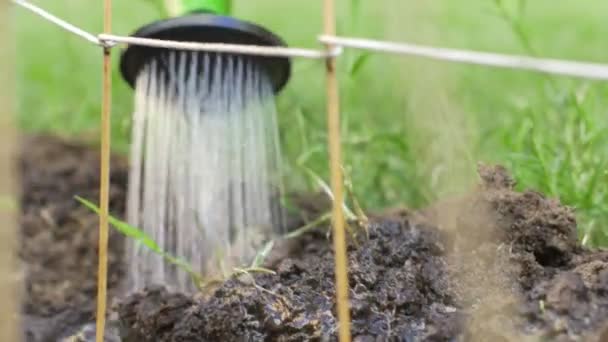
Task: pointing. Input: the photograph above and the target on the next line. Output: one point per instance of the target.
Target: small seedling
(354, 219)
(260, 258)
(202, 283)
(309, 226)
(362, 219)
(145, 240)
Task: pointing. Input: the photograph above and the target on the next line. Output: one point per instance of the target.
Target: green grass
(412, 129)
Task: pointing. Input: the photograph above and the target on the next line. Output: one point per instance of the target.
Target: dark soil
(59, 236)
(505, 266)
(497, 265)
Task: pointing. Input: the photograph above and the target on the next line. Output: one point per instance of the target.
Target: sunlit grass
(547, 130)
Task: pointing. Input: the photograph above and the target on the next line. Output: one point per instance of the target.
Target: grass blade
(126, 228)
(262, 255)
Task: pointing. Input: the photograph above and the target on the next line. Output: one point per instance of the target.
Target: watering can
(204, 21)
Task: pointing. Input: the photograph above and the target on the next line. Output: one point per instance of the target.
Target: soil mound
(503, 266)
(493, 265)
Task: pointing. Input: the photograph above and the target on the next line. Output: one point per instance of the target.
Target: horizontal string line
(550, 66)
(593, 71)
(57, 21)
(264, 51)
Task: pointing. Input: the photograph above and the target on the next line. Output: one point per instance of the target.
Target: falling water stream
(204, 180)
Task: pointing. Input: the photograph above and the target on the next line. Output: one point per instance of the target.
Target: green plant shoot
(144, 239)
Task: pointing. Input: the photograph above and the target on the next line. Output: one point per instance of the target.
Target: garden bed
(493, 265)
(58, 245)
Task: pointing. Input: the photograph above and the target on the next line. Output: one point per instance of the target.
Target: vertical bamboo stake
(106, 109)
(333, 121)
(10, 277)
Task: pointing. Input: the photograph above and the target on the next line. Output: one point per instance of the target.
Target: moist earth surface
(495, 264)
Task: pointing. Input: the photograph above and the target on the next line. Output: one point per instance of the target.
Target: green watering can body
(220, 7)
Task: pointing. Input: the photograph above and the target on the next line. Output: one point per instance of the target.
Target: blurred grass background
(412, 129)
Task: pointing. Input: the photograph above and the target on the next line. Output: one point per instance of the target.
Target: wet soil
(495, 265)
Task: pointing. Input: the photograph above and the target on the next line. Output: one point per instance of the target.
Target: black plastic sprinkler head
(203, 25)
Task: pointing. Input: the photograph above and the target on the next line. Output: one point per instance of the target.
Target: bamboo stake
(106, 109)
(333, 120)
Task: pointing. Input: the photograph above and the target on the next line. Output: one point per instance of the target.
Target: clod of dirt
(525, 222)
